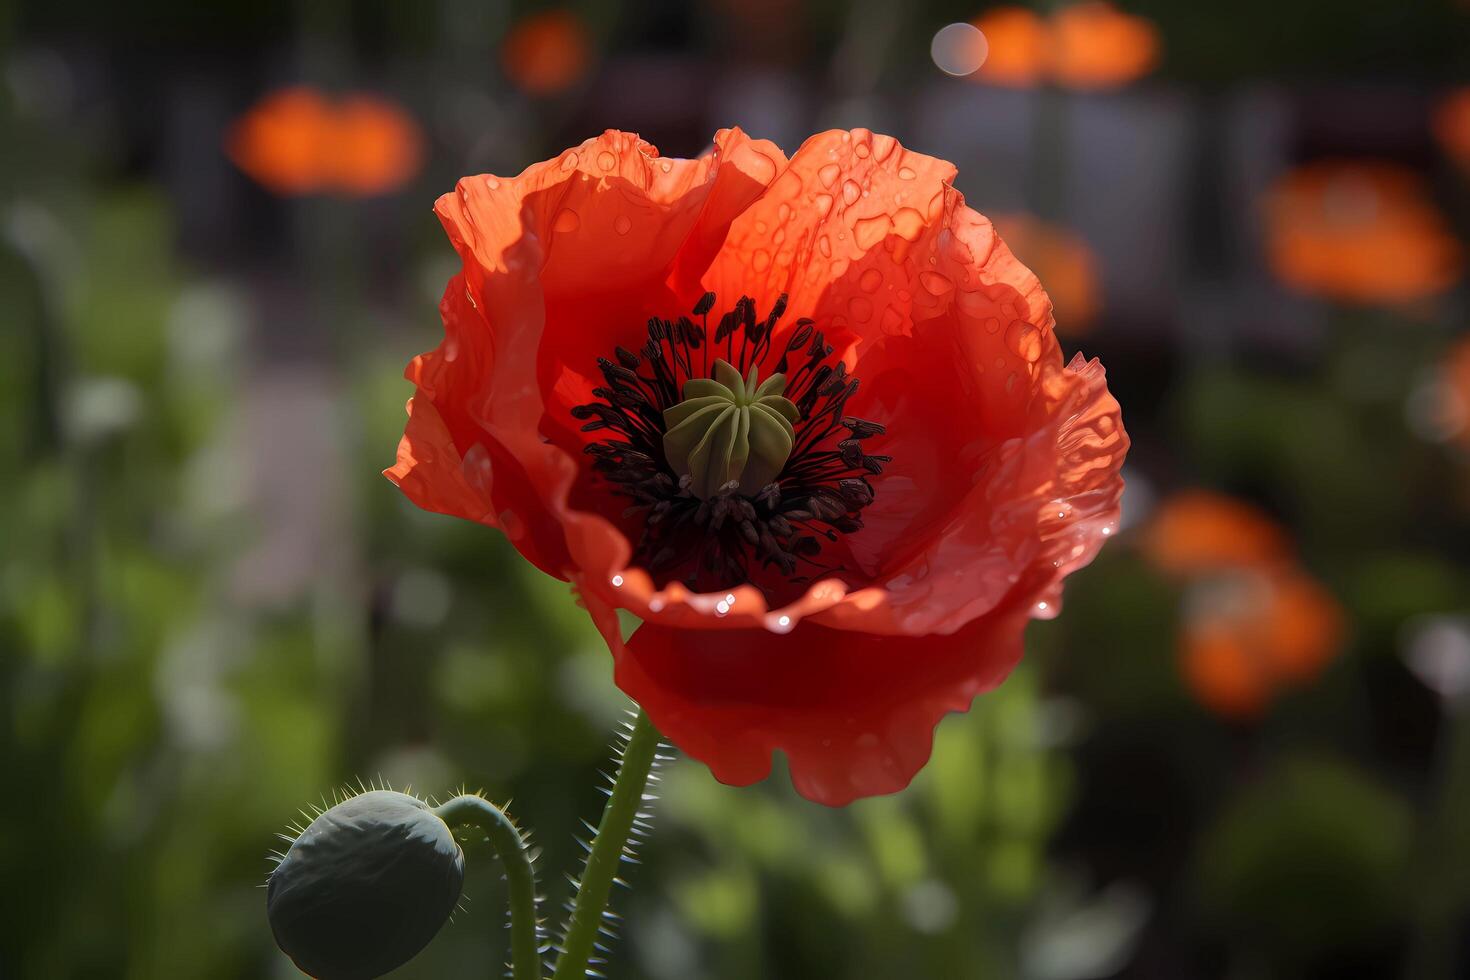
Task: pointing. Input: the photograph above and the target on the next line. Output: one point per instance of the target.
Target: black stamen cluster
(712, 543)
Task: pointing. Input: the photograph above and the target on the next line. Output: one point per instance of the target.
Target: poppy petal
(854, 713)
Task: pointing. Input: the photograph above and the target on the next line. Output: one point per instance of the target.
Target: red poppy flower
(806, 418)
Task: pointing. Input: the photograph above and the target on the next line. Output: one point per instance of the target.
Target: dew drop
(667, 166)
(935, 283)
(862, 150)
(851, 191)
(761, 260)
(1024, 339)
(824, 245)
(783, 213)
(828, 174)
(606, 160)
(870, 231)
(870, 280)
(824, 204)
(622, 224)
(906, 173)
(617, 581)
(566, 220)
(569, 162)
(909, 224)
(493, 183)
(861, 308)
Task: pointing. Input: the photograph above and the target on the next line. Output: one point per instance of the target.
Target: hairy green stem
(480, 812)
(607, 850)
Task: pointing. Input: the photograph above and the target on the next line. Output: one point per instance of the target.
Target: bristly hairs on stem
(583, 943)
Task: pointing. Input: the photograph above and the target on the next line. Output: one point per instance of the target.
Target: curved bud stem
(506, 839)
(622, 808)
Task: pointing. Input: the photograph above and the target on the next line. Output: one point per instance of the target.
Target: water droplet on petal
(909, 224)
(861, 308)
(851, 191)
(569, 162)
(824, 245)
(935, 282)
(606, 160)
(1024, 339)
(870, 231)
(566, 220)
(617, 581)
(870, 280)
(824, 204)
(761, 260)
(493, 183)
(906, 173)
(828, 174)
(622, 224)
(667, 166)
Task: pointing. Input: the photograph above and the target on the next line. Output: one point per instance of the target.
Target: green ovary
(728, 429)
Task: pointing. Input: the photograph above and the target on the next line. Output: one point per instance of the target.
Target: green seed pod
(731, 429)
(365, 887)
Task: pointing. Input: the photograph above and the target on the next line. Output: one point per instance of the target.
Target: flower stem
(607, 850)
(506, 839)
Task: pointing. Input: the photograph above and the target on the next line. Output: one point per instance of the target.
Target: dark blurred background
(1241, 753)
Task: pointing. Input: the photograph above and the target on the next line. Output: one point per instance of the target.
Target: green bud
(728, 429)
(365, 887)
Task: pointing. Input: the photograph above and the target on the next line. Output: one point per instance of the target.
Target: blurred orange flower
(1249, 635)
(546, 53)
(1253, 622)
(1063, 260)
(1359, 232)
(1090, 45)
(1452, 126)
(1200, 531)
(1019, 43)
(1098, 46)
(300, 141)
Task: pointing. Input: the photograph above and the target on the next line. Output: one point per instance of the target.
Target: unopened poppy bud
(365, 887)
